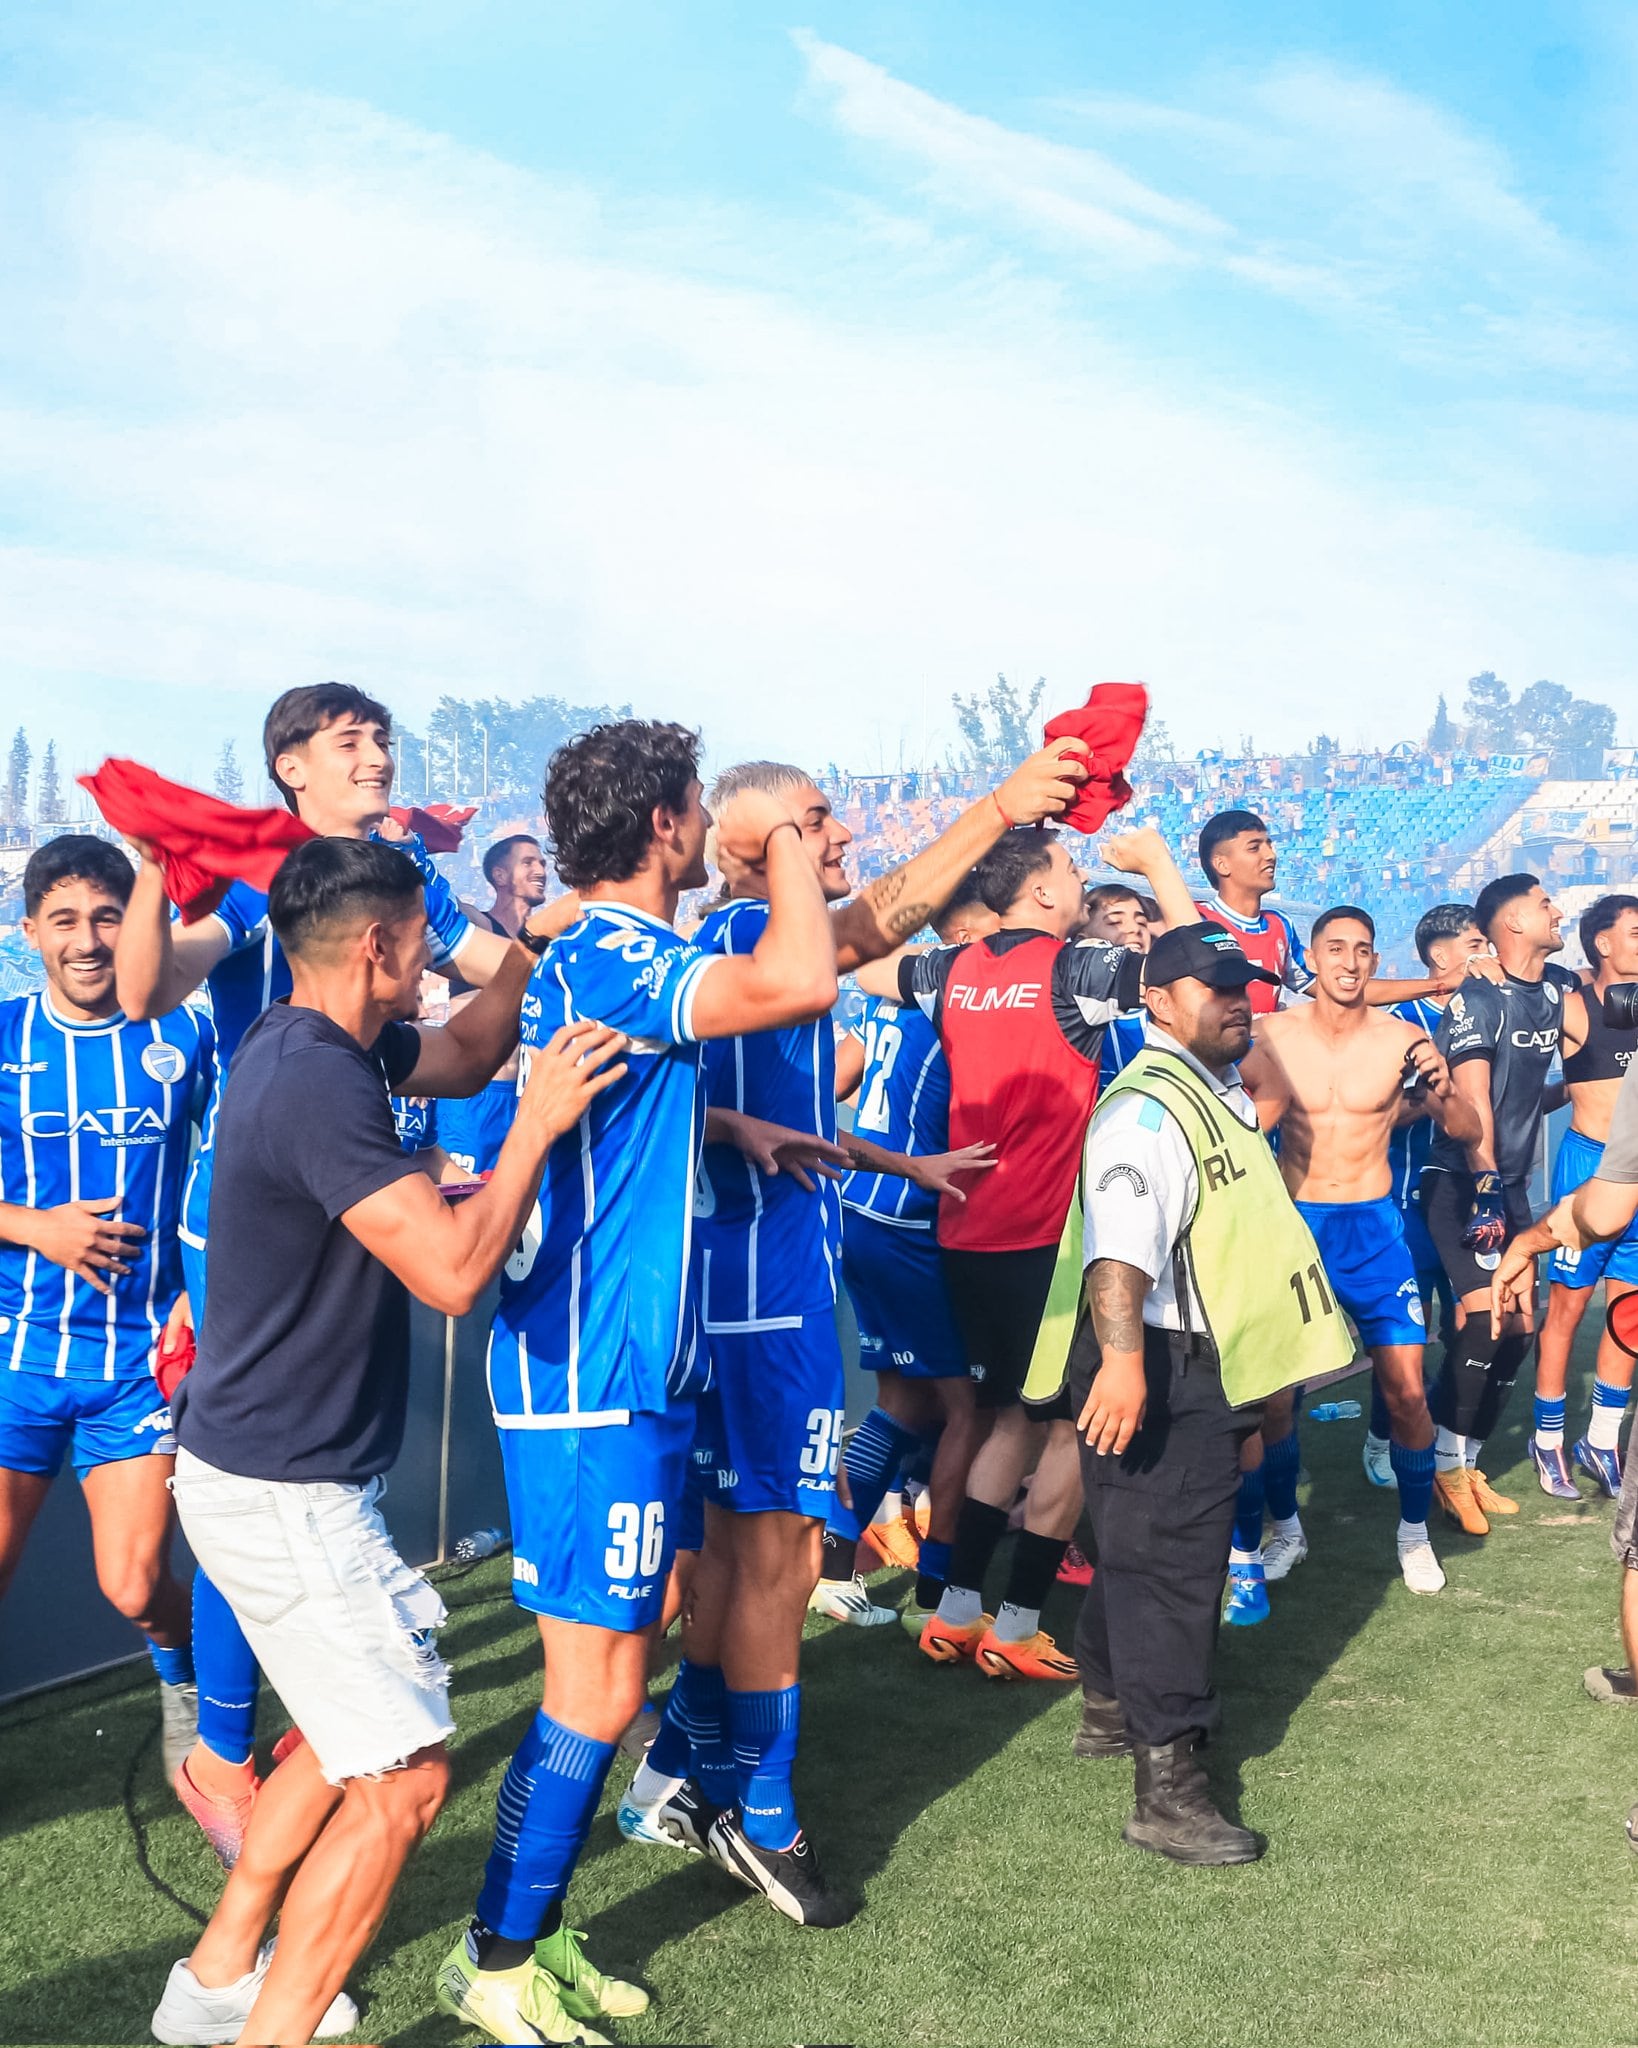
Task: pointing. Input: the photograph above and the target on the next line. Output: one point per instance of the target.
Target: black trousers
(1162, 1515)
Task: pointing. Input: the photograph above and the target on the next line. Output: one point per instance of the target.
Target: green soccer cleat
(585, 1993)
(525, 2004)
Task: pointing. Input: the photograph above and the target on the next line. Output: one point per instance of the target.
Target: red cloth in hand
(1109, 725)
(202, 842)
(174, 1361)
(439, 825)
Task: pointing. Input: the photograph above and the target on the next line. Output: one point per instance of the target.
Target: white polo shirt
(1140, 1184)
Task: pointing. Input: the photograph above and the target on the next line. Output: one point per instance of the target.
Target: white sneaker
(192, 2012)
(1420, 1567)
(1282, 1554)
(1378, 1461)
(850, 1603)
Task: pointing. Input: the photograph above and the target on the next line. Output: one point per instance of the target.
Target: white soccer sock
(1244, 1557)
(960, 1606)
(1016, 1624)
(1411, 1533)
(1471, 1447)
(650, 1788)
(1449, 1450)
(1604, 1427)
(1288, 1525)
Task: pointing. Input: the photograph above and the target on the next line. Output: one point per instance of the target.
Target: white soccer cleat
(1420, 1568)
(849, 1601)
(1282, 1554)
(1378, 1461)
(191, 2012)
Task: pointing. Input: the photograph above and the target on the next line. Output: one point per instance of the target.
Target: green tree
(1442, 734)
(1550, 719)
(1487, 713)
(447, 761)
(17, 767)
(230, 780)
(50, 801)
(1000, 728)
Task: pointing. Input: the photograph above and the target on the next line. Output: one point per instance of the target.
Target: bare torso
(1592, 1103)
(1344, 1070)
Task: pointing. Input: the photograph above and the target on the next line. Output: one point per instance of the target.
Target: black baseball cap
(1202, 952)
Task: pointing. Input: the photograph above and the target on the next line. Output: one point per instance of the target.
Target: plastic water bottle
(1334, 1411)
(485, 1542)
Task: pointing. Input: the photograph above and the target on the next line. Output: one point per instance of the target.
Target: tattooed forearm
(907, 919)
(1114, 1294)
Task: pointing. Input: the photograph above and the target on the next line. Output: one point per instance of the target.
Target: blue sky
(784, 372)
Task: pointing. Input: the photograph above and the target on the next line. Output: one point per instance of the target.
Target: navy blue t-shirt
(303, 1369)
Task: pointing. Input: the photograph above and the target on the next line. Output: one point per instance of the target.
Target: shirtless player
(1345, 1076)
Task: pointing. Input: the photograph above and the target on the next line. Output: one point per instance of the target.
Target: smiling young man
(328, 749)
(96, 1115)
(1343, 1076)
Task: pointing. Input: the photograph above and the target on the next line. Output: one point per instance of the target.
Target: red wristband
(1008, 822)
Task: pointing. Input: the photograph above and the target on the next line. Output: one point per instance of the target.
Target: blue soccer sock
(1414, 1471)
(711, 1749)
(175, 1667)
(764, 1728)
(1380, 1420)
(225, 1666)
(875, 1452)
(933, 1572)
(543, 1815)
(666, 1763)
(1281, 1464)
(1550, 1423)
(1248, 1513)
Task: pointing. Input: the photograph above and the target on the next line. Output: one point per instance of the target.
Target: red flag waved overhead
(202, 842)
(439, 825)
(1109, 725)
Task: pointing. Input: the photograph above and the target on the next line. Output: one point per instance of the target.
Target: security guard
(1204, 1295)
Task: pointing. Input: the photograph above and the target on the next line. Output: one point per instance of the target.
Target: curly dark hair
(1004, 870)
(602, 789)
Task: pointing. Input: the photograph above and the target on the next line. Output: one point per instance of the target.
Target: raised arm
(790, 975)
(1144, 852)
(447, 1254)
(460, 1057)
(157, 963)
(887, 911)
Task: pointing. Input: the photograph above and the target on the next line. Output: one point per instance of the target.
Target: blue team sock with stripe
(1608, 1407)
(875, 1452)
(175, 1666)
(1281, 1464)
(670, 1752)
(711, 1751)
(225, 1666)
(1414, 1471)
(1381, 1422)
(1550, 1423)
(764, 1726)
(1248, 1513)
(543, 1815)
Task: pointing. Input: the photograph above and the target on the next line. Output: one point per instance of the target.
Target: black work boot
(1174, 1815)
(1103, 1727)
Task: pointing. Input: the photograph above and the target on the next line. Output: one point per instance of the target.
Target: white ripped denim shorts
(342, 1627)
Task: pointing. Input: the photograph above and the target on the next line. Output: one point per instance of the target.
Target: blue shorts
(1368, 1264)
(594, 1517)
(691, 1508)
(1577, 1161)
(193, 1278)
(472, 1131)
(772, 1419)
(896, 1280)
(102, 1421)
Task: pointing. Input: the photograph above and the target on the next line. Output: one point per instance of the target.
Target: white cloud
(333, 397)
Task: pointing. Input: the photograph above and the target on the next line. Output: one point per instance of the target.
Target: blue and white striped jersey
(415, 1118)
(770, 1250)
(87, 1111)
(253, 975)
(1122, 1043)
(596, 1315)
(1408, 1146)
(904, 1106)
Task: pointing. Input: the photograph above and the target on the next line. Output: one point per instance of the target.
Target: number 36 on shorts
(636, 1539)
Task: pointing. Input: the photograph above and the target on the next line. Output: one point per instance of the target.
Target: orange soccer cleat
(1454, 1493)
(1038, 1656)
(950, 1642)
(895, 1543)
(1490, 1501)
(222, 1821)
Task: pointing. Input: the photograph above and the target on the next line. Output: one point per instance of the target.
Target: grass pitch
(1445, 1810)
